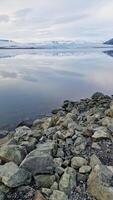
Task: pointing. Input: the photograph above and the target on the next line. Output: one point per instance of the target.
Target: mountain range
(109, 42)
(9, 44)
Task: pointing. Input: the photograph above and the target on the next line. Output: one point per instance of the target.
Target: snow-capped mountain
(4, 44)
(8, 44)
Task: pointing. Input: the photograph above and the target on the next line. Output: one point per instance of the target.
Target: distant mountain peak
(109, 42)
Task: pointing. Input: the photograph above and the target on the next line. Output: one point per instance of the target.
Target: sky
(40, 20)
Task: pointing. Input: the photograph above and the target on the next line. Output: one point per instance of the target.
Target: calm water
(33, 82)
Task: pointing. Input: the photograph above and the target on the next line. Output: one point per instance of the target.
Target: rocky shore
(67, 156)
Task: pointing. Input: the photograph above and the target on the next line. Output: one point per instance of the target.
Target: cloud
(4, 18)
(61, 19)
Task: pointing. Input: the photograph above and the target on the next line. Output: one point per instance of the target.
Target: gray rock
(2, 196)
(58, 195)
(40, 164)
(68, 181)
(12, 176)
(78, 162)
(13, 153)
(44, 181)
(94, 160)
(49, 147)
(84, 169)
(100, 134)
(99, 183)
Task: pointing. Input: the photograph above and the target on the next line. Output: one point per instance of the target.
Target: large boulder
(13, 176)
(13, 153)
(99, 183)
(38, 164)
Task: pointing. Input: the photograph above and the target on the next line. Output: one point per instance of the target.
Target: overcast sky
(32, 20)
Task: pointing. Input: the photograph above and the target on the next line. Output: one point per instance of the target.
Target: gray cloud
(61, 19)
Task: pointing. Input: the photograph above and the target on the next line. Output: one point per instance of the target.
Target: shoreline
(65, 156)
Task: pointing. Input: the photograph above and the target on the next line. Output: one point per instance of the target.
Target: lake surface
(33, 82)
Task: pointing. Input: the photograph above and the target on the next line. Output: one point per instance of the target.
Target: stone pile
(66, 156)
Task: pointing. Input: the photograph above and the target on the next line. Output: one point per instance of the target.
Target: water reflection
(33, 82)
(109, 52)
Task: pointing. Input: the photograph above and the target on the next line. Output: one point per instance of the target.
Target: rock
(47, 192)
(39, 164)
(99, 183)
(109, 113)
(43, 123)
(58, 162)
(22, 131)
(12, 176)
(97, 96)
(98, 135)
(84, 169)
(13, 153)
(4, 188)
(78, 162)
(49, 147)
(2, 196)
(26, 122)
(30, 144)
(44, 181)
(68, 181)
(95, 145)
(94, 160)
(54, 186)
(58, 195)
(3, 133)
(39, 196)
